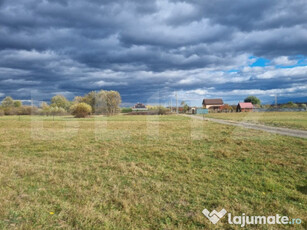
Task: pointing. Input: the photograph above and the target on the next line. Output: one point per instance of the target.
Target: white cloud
(25, 55)
(297, 71)
(4, 72)
(20, 81)
(104, 83)
(284, 60)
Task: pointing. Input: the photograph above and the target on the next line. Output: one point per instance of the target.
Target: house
(174, 109)
(212, 103)
(139, 107)
(245, 107)
(192, 110)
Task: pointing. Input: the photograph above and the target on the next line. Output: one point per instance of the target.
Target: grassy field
(295, 120)
(138, 172)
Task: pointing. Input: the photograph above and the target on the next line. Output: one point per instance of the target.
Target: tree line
(101, 102)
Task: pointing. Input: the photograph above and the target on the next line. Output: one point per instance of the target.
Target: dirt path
(281, 131)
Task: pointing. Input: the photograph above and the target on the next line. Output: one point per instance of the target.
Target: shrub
(81, 110)
(162, 110)
(23, 110)
(290, 104)
(27, 110)
(126, 110)
(1, 112)
(10, 111)
(56, 111)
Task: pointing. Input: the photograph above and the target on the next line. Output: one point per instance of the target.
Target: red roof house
(245, 107)
(139, 106)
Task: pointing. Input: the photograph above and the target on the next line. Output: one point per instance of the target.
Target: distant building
(139, 107)
(193, 110)
(212, 103)
(245, 107)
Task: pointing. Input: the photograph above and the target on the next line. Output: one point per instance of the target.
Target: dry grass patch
(135, 175)
(294, 120)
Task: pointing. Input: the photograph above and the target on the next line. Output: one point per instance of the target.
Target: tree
(291, 104)
(90, 99)
(186, 108)
(81, 110)
(107, 102)
(101, 106)
(27, 110)
(60, 101)
(254, 100)
(304, 106)
(78, 99)
(45, 108)
(17, 104)
(113, 102)
(7, 102)
(56, 111)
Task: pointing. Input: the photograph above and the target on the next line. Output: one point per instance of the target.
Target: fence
(202, 111)
(279, 110)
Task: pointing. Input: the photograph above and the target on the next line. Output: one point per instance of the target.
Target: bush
(27, 110)
(81, 110)
(23, 110)
(290, 104)
(1, 112)
(10, 111)
(56, 111)
(162, 110)
(126, 110)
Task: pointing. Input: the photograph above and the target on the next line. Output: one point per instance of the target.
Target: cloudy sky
(199, 48)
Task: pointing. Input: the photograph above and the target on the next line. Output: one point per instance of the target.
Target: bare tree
(107, 102)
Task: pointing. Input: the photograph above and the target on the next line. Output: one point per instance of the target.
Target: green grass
(138, 172)
(295, 120)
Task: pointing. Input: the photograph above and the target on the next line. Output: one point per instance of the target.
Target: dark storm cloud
(141, 47)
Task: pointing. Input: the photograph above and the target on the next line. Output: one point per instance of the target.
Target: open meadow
(147, 172)
(294, 120)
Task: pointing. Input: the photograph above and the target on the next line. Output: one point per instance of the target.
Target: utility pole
(276, 100)
(159, 97)
(176, 103)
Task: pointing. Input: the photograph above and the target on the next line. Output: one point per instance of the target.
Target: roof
(217, 101)
(139, 105)
(246, 105)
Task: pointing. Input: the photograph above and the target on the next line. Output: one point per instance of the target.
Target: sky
(153, 49)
